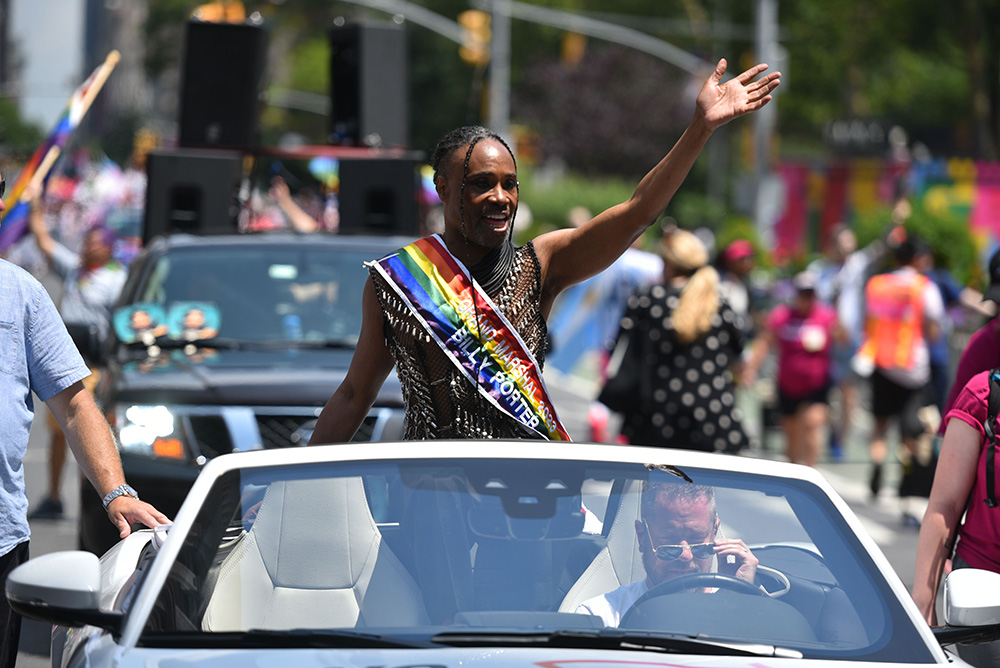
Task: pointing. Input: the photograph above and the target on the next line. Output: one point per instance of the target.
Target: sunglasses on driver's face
(3, 187)
(672, 552)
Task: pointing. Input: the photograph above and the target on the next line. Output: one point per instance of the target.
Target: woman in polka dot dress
(689, 339)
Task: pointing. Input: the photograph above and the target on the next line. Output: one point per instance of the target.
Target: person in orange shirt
(902, 312)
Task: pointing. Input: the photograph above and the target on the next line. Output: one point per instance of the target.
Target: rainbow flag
(472, 332)
(14, 222)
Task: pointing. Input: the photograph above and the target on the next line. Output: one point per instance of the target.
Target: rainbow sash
(474, 335)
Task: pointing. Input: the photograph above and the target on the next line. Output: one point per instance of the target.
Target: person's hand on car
(125, 511)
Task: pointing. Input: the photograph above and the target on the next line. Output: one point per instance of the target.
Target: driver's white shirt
(611, 606)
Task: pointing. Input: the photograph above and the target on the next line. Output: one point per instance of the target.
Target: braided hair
(469, 135)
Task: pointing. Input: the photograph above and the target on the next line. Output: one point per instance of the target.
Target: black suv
(283, 318)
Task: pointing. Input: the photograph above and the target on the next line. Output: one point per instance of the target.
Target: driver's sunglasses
(672, 552)
(3, 187)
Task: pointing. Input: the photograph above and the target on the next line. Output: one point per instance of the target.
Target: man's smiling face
(490, 196)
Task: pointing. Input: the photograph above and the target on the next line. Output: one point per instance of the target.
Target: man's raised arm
(572, 255)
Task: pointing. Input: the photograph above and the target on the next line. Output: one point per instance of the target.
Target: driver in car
(678, 535)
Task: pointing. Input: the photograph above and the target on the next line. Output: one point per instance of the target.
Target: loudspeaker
(223, 74)
(191, 191)
(379, 196)
(369, 88)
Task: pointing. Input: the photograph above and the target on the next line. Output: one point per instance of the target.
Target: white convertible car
(449, 554)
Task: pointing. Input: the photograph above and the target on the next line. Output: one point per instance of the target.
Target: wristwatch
(119, 491)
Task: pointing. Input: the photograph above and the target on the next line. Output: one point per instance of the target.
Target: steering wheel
(636, 616)
(698, 581)
(767, 574)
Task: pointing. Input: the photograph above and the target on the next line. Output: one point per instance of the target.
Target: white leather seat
(619, 562)
(314, 558)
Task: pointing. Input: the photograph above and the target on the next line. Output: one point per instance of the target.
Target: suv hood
(283, 376)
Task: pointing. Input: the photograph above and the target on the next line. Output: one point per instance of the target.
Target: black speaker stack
(369, 106)
(369, 85)
(223, 78)
(379, 196)
(194, 188)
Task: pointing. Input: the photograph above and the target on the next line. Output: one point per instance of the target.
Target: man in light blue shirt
(37, 355)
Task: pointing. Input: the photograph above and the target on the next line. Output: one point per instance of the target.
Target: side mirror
(61, 588)
(971, 607)
(972, 597)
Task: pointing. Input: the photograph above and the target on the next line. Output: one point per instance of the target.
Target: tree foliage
(924, 66)
(948, 234)
(904, 61)
(625, 110)
(17, 137)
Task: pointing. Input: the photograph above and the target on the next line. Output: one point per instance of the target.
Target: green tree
(948, 235)
(915, 63)
(17, 137)
(615, 112)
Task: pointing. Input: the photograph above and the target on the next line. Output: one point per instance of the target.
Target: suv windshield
(266, 293)
(473, 551)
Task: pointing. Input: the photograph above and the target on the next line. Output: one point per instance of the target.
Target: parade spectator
(903, 310)
(514, 288)
(982, 352)
(840, 281)
(736, 263)
(299, 219)
(939, 348)
(676, 344)
(959, 523)
(92, 281)
(40, 358)
(803, 332)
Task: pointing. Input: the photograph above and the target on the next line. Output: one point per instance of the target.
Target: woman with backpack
(963, 484)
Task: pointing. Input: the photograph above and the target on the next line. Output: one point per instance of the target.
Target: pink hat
(737, 250)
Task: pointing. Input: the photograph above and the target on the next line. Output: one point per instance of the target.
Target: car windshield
(264, 293)
(476, 551)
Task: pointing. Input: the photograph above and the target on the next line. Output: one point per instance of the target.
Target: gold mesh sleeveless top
(439, 401)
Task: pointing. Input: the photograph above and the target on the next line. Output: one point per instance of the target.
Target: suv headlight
(153, 431)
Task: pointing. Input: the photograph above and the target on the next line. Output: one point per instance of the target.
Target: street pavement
(849, 475)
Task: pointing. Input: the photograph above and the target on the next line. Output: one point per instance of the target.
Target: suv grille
(276, 431)
(211, 435)
(213, 430)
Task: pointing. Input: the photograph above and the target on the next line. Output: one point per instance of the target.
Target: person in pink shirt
(803, 332)
(960, 488)
(982, 352)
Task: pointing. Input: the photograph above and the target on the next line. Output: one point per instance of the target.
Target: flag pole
(100, 77)
(41, 172)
